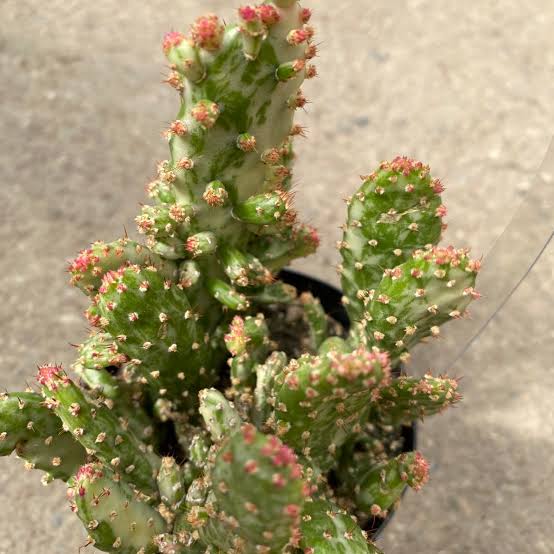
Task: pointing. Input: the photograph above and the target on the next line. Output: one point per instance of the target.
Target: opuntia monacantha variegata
(275, 454)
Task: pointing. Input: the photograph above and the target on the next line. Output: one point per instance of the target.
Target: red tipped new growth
(87, 474)
(405, 165)
(82, 263)
(51, 376)
(248, 14)
(268, 14)
(171, 40)
(236, 338)
(298, 36)
(417, 473)
(207, 32)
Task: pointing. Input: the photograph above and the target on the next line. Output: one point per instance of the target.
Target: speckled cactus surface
(200, 415)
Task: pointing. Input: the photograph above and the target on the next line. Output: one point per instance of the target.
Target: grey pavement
(464, 86)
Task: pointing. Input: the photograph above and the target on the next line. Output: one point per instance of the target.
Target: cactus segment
(316, 318)
(248, 342)
(326, 529)
(396, 210)
(415, 298)
(378, 489)
(170, 482)
(266, 209)
(320, 401)
(258, 484)
(227, 295)
(244, 269)
(35, 433)
(265, 376)
(90, 266)
(219, 415)
(98, 357)
(98, 429)
(409, 398)
(116, 518)
(157, 330)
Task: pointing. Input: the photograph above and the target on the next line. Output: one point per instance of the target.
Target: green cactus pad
(415, 298)
(320, 401)
(409, 398)
(93, 263)
(98, 429)
(396, 211)
(378, 488)
(258, 485)
(157, 329)
(328, 530)
(117, 520)
(35, 433)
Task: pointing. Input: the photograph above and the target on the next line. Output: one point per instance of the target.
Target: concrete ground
(465, 86)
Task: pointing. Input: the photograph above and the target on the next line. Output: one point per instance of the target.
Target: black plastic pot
(330, 298)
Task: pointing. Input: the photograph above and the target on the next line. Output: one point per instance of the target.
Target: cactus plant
(190, 426)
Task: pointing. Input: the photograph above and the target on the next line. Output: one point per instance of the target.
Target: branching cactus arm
(397, 210)
(35, 433)
(116, 519)
(320, 401)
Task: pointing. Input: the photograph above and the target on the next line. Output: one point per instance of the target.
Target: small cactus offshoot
(189, 424)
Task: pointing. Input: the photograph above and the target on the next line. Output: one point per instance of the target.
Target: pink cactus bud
(172, 39)
(297, 37)
(437, 186)
(441, 211)
(51, 376)
(207, 32)
(292, 510)
(85, 260)
(420, 471)
(361, 362)
(404, 165)
(178, 128)
(236, 339)
(305, 15)
(268, 14)
(174, 80)
(192, 245)
(248, 14)
(87, 473)
(206, 113)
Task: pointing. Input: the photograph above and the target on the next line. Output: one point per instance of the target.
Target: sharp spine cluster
(254, 442)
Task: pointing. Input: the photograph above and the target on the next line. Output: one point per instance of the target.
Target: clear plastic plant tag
(505, 266)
